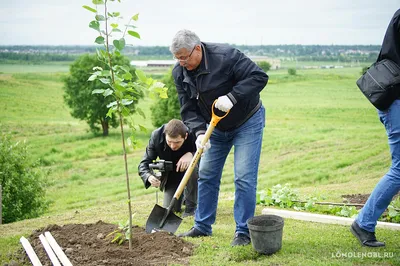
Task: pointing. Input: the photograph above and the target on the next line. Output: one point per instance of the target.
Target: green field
(321, 135)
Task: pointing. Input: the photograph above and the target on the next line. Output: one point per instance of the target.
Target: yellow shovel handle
(214, 121)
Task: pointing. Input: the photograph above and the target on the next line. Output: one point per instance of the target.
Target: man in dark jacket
(172, 142)
(363, 227)
(206, 72)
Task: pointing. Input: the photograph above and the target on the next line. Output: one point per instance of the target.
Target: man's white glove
(198, 143)
(223, 103)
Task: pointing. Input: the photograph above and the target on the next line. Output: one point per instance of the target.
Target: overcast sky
(252, 22)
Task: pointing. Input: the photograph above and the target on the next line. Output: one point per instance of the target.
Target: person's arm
(149, 156)
(251, 79)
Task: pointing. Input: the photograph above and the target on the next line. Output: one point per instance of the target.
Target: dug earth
(87, 245)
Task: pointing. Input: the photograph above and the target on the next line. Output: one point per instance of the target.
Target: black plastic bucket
(266, 233)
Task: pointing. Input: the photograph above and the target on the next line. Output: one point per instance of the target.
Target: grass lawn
(317, 137)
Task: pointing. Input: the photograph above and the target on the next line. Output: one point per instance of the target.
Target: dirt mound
(355, 198)
(86, 244)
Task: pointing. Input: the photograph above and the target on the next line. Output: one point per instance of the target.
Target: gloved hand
(223, 103)
(198, 143)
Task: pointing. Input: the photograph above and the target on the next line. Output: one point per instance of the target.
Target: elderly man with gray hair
(206, 72)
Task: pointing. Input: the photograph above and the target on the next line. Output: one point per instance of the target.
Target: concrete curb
(321, 218)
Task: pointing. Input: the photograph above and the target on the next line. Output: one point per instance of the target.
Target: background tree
(264, 65)
(23, 183)
(78, 93)
(164, 109)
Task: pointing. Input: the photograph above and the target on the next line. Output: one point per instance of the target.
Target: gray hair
(184, 39)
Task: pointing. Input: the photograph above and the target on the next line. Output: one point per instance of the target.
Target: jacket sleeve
(189, 113)
(149, 156)
(250, 78)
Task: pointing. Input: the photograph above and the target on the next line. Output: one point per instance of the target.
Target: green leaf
(97, 91)
(99, 40)
(114, 103)
(140, 111)
(97, 68)
(126, 102)
(90, 9)
(131, 26)
(119, 94)
(114, 25)
(127, 76)
(98, 2)
(142, 128)
(135, 17)
(124, 68)
(141, 75)
(108, 92)
(119, 44)
(92, 77)
(110, 112)
(134, 34)
(94, 25)
(120, 86)
(105, 80)
(117, 53)
(114, 14)
(100, 18)
(116, 30)
(125, 111)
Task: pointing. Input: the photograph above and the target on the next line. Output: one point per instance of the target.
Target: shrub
(291, 71)
(264, 65)
(23, 184)
(164, 110)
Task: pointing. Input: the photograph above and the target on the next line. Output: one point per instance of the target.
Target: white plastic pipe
(29, 250)
(49, 251)
(57, 249)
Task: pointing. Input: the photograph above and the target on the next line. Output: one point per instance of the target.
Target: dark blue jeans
(389, 185)
(246, 141)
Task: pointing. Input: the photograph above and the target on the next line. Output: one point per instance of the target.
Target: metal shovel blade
(171, 223)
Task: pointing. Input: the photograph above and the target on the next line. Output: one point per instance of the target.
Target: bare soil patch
(355, 198)
(87, 245)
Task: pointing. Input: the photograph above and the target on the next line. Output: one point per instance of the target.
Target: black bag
(381, 83)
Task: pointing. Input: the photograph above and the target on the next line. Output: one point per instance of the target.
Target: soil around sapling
(87, 245)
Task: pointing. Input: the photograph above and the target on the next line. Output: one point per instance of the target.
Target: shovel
(164, 219)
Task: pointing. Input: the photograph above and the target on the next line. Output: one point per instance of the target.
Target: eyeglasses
(184, 59)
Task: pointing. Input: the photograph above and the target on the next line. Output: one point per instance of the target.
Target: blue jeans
(247, 141)
(389, 185)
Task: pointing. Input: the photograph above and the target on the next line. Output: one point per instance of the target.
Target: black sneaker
(365, 238)
(192, 233)
(240, 239)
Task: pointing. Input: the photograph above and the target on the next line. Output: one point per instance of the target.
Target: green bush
(23, 184)
(291, 71)
(165, 109)
(264, 65)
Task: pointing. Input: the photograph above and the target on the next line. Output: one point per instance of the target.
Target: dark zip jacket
(391, 42)
(158, 148)
(224, 70)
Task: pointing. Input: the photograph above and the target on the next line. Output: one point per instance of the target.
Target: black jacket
(391, 42)
(223, 71)
(158, 147)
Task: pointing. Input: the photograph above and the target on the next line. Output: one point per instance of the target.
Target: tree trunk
(104, 125)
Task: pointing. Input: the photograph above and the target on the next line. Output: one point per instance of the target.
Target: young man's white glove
(224, 103)
(198, 143)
